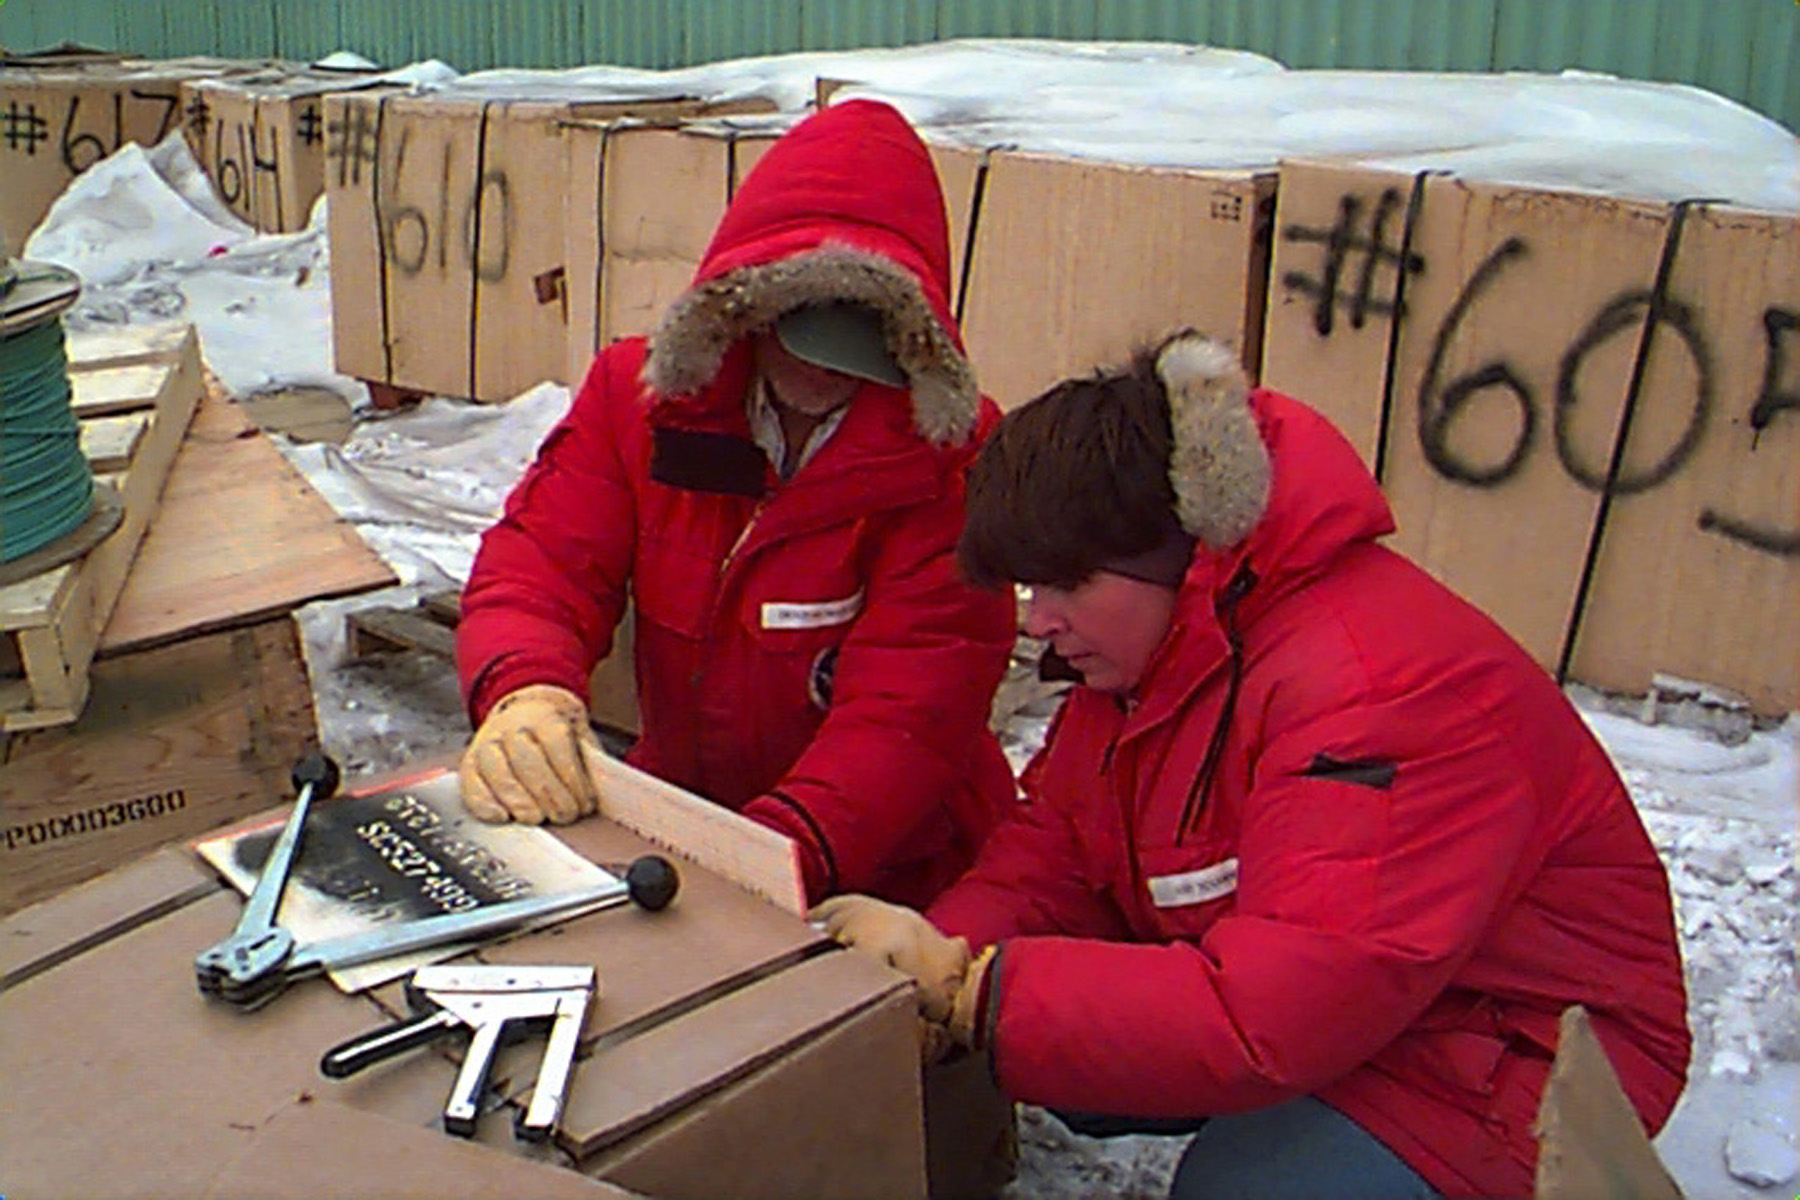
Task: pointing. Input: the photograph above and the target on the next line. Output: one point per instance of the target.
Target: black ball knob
(318, 772)
(652, 882)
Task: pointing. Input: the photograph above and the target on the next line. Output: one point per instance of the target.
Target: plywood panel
(1077, 263)
(282, 547)
(1509, 278)
(1699, 574)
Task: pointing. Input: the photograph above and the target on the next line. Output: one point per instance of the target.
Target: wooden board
(1590, 1142)
(521, 320)
(240, 536)
(51, 623)
(176, 739)
(664, 194)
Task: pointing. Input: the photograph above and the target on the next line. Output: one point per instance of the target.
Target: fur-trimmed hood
(845, 207)
(1218, 464)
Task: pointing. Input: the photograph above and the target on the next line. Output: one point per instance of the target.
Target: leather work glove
(966, 1008)
(528, 761)
(904, 940)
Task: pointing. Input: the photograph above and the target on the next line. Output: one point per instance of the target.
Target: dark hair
(1072, 480)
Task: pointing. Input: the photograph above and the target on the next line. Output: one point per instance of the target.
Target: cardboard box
(1698, 565)
(57, 121)
(730, 1050)
(1076, 263)
(260, 138)
(447, 225)
(1618, 490)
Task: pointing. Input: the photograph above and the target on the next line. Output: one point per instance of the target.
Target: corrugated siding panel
(828, 25)
(1748, 50)
(539, 33)
(719, 29)
(306, 32)
(634, 34)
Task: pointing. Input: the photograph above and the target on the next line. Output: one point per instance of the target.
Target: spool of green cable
(46, 486)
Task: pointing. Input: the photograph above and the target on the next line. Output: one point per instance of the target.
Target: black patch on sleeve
(1377, 773)
(708, 462)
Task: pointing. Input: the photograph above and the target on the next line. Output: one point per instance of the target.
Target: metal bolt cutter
(260, 958)
(485, 1000)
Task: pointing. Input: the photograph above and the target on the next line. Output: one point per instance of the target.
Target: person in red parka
(1315, 857)
(775, 477)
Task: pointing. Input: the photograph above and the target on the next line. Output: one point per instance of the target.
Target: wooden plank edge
(733, 847)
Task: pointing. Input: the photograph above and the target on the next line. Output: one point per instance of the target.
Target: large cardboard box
(731, 1050)
(1574, 404)
(447, 223)
(1076, 263)
(260, 138)
(56, 121)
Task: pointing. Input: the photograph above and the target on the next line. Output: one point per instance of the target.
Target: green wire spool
(47, 490)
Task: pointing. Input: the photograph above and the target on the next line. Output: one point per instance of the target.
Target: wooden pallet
(430, 626)
(134, 392)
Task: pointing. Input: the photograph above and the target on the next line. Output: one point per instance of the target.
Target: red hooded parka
(805, 649)
(1410, 857)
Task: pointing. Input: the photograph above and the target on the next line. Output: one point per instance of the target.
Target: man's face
(799, 385)
(1108, 627)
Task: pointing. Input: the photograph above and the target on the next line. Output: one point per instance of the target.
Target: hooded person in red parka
(1316, 853)
(776, 477)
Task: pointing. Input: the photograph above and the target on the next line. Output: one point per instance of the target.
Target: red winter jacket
(806, 651)
(1410, 858)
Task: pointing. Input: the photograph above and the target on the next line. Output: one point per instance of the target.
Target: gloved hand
(527, 762)
(904, 940)
(965, 1009)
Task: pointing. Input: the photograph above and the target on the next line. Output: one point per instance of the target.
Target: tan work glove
(528, 761)
(904, 940)
(965, 1009)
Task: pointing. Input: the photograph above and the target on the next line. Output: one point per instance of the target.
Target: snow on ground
(151, 244)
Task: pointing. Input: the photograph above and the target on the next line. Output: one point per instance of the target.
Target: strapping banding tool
(260, 958)
(485, 1001)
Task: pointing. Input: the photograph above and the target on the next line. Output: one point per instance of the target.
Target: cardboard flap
(1591, 1145)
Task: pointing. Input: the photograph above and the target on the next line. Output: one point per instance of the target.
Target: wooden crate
(731, 1049)
(174, 740)
(134, 394)
(198, 698)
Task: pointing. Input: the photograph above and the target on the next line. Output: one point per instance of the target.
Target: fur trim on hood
(1218, 464)
(689, 344)
(846, 206)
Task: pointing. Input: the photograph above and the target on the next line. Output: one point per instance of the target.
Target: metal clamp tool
(485, 1000)
(260, 958)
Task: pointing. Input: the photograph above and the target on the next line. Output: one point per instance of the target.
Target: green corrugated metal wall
(1748, 50)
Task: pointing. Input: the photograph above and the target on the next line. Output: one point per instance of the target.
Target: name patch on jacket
(1194, 887)
(777, 615)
